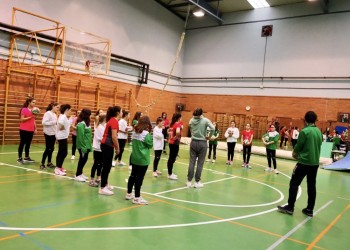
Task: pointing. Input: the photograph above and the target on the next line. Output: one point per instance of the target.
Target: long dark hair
(137, 116)
(175, 118)
(144, 123)
(51, 105)
(64, 107)
(85, 117)
(26, 104)
(112, 112)
(125, 113)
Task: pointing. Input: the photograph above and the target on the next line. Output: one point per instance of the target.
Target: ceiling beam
(202, 4)
(171, 10)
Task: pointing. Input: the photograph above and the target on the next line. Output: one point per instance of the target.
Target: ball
(35, 111)
(212, 138)
(246, 142)
(266, 139)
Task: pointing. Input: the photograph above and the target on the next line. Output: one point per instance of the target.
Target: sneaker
(139, 201)
(308, 212)
(285, 209)
(268, 169)
(130, 167)
(276, 171)
(28, 159)
(58, 171)
(42, 167)
(248, 166)
(129, 196)
(231, 162)
(93, 184)
(189, 184)
(114, 163)
(198, 184)
(84, 176)
(20, 160)
(98, 180)
(207, 160)
(105, 191)
(172, 177)
(155, 174)
(109, 187)
(79, 178)
(121, 164)
(164, 152)
(62, 169)
(228, 163)
(243, 165)
(158, 172)
(73, 157)
(213, 161)
(50, 165)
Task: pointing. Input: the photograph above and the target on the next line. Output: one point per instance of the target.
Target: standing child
(27, 128)
(232, 134)
(158, 144)
(246, 140)
(49, 126)
(165, 129)
(73, 121)
(213, 141)
(137, 116)
(140, 159)
(84, 136)
(270, 140)
(62, 133)
(122, 138)
(174, 132)
(98, 159)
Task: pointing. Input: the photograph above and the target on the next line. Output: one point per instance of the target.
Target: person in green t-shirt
(142, 144)
(270, 140)
(213, 141)
(307, 152)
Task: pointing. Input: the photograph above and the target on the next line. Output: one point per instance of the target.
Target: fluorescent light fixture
(198, 13)
(258, 4)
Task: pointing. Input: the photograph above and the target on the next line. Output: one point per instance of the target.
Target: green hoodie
(141, 146)
(308, 147)
(198, 127)
(84, 137)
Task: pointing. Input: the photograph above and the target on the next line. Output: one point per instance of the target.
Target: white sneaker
(213, 161)
(243, 165)
(73, 157)
(58, 171)
(248, 166)
(110, 187)
(129, 196)
(79, 178)
(105, 191)
(172, 177)
(121, 163)
(268, 169)
(198, 184)
(84, 176)
(208, 160)
(189, 184)
(139, 201)
(276, 171)
(158, 172)
(130, 167)
(155, 174)
(113, 163)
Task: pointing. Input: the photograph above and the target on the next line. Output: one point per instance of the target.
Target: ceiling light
(258, 3)
(198, 13)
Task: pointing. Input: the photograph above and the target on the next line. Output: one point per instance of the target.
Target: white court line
(343, 198)
(34, 152)
(274, 245)
(176, 189)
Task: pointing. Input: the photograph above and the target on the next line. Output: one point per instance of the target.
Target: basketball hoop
(93, 67)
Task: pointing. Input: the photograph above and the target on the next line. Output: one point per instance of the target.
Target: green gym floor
(236, 208)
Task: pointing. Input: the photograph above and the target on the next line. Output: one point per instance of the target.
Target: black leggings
(271, 154)
(26, 139)
(212, 147)
(62, 152)
(174, 150)
(74, 144)
(107, 154)
(165, 134)
(136, 179)
(98, 162)
(49, 148)
(231, 150)
(83, 157)
(122, 143)
(157, 155)
(285, 141)
(246, 153)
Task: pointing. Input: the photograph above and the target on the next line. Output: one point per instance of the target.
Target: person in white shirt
(62, 133)
(231, 134)
(49, 127)
(295, 136)
(96, 145)
(158, 144)
(122, 138)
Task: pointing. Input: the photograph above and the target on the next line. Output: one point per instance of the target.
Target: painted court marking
(157, 195)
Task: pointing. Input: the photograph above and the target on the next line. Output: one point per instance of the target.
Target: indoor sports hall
(244, 62)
